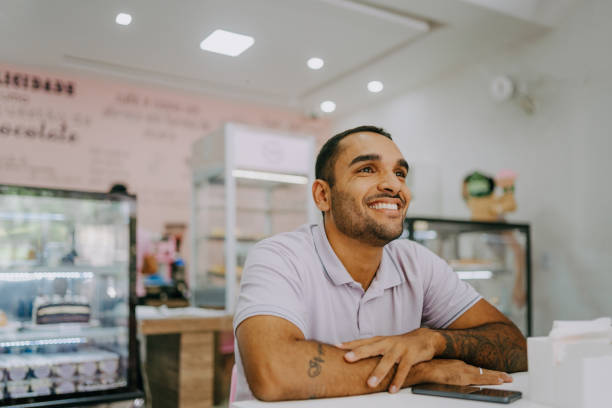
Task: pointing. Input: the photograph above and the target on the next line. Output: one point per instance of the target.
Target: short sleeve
(271, 285)
(446, 297)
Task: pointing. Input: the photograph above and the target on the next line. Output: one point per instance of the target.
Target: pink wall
(87, 133)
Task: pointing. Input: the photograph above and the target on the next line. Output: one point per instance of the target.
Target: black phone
(468, 392)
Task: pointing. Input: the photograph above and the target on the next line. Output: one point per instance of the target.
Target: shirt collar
(332, 265)
(387, 276)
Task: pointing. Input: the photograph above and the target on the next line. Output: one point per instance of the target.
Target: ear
(321, 195)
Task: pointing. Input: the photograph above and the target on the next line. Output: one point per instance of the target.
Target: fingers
(400, 376)
(365, 351)
(382, 369)
(489, 377)
(357, 343)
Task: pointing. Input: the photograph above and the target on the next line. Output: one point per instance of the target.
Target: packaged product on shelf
(87, 364)
(15, 367)
(89, 384)
(64, 387)
(18, 389)
(108, 363)
(63, 365)
(111, 382)
(39, 365)
(41, 386)
(94, 384)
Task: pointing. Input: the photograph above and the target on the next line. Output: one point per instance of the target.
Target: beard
(353, 221)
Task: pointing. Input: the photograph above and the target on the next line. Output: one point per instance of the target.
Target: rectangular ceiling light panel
(227, 43)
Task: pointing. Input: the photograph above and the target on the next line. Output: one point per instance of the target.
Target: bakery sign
(60, 133)
(36, 83)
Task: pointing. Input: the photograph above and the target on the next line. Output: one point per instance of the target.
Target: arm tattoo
(496, 346)
(314, 365)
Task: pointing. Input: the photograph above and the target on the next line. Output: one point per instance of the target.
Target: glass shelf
(494, 257)
(23, 272)
(63, 334)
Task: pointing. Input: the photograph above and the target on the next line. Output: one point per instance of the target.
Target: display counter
(403, 399)
(179, 346)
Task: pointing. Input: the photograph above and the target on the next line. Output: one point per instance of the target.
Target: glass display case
(494, 257)
(248, 183)
(67, 322)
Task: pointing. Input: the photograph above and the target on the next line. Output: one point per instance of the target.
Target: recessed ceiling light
(328, 106)
(227, 43)
(315, 63)
(123, 19)
(375, 86)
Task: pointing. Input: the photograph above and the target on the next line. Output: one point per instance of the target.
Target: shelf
(29, 273)
(252, 240)
(57, 334)
(257, 210)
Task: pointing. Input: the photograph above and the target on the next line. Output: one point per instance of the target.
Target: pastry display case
(67, 322)
(494, 257)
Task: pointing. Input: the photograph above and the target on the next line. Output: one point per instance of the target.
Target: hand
(405, 350)
(456, 372)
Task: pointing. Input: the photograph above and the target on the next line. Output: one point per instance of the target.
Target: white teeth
(384, 206)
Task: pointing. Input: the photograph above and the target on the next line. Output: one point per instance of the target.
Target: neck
(360, 260)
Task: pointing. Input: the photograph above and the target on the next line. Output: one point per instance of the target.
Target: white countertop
(403, 399)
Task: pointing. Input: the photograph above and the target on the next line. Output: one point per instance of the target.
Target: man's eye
(366, 170)
(400, 174)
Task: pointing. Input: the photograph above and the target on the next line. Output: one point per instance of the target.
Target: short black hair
(324, 167)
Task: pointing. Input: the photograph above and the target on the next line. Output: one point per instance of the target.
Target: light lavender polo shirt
(297, 276)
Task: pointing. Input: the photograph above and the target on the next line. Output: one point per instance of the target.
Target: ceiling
(360, 41)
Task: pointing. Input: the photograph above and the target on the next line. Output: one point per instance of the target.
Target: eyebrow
(365, 157)
(376, 157)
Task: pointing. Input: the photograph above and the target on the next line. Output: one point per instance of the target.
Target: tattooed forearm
(496, 346)
(314, 365)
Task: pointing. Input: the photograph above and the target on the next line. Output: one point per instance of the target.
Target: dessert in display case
(67, 322)
(248, 183)
(494, 257)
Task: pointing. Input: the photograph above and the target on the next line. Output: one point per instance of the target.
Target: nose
(390, 183)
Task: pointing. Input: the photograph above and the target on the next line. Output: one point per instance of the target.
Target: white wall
(561, 152)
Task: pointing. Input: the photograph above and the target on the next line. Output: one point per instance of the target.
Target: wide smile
(389, 207)
(384, 206)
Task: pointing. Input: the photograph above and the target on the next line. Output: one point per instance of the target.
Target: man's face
(369, 198)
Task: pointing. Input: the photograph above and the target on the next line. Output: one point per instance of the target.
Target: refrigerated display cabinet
(494, 257)
(67, 320)
(248, 183)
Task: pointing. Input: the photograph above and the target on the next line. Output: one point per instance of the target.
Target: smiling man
(345, 308)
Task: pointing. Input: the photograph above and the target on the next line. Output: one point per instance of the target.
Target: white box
(540, 363)
(597, 381)
(569, 374)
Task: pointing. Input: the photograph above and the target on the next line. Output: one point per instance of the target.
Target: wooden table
(180, 353)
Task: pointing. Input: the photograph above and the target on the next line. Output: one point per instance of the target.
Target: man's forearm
(496, 346)
(316, 370)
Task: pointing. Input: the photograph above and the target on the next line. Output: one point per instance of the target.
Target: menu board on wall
(65, 131)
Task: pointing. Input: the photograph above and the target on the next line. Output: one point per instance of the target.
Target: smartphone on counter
(467, 392)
